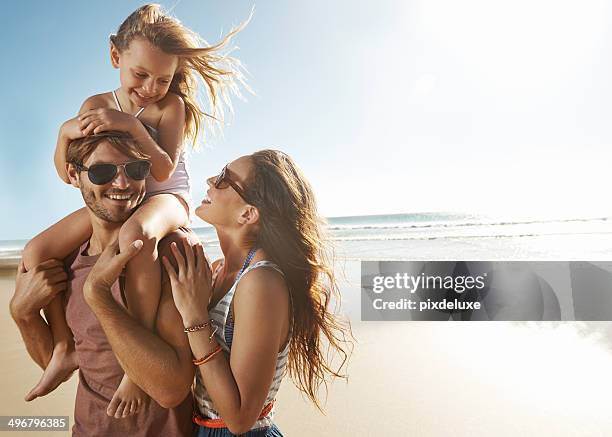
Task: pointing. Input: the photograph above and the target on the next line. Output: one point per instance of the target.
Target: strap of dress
(262, 263)
(117, 101)
(121, 109)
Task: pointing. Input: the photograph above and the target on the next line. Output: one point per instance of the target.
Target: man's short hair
(80, 149)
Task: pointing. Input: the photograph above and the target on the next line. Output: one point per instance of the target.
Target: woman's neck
(235, 250)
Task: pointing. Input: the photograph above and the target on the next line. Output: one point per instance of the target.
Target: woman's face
(223, 204)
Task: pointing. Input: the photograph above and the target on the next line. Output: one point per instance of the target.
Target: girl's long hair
(291, 233)
(220, 73)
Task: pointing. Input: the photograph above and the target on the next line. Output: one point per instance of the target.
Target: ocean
(442, 236)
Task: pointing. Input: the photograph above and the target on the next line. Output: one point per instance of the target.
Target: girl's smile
(145, 72)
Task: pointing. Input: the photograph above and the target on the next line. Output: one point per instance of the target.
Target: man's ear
(114, 55)
(73, 175)
(249, 216)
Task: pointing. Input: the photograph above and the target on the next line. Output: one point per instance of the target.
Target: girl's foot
(60, 368)
(127, 400)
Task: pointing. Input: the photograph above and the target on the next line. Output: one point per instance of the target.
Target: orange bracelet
(207, 357)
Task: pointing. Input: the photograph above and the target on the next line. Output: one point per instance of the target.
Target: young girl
(159, 61)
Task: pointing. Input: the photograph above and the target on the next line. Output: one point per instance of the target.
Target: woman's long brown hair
(291, 233)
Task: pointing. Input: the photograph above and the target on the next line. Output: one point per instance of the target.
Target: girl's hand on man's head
(104, 119)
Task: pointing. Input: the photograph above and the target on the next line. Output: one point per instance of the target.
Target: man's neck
(104, 234)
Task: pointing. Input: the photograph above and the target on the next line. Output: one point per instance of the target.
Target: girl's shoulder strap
(119, 105)
(117, 101)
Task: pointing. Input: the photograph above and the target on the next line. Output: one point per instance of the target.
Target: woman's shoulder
(263, 282)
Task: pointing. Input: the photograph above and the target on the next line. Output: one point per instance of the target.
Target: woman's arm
(238, 387)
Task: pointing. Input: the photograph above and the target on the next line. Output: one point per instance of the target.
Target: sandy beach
(422, 379)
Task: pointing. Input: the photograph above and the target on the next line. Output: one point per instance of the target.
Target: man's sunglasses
(101, 174)
(223, 181)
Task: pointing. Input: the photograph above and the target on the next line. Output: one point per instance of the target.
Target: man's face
(117, 200)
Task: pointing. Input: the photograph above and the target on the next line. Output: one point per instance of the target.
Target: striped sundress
(221, 318)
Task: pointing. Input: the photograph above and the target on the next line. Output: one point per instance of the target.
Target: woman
(263, 308)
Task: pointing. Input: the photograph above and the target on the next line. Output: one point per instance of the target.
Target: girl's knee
(131, 232)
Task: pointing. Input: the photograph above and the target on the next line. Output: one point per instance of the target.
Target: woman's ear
(114, 55)
(249, 215)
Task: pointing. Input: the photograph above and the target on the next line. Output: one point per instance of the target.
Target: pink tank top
(100, 372)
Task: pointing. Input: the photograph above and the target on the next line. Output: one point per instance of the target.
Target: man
(108, 341)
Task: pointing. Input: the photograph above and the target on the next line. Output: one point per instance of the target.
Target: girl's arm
(71, 130)
(164, 155)
(171, 129)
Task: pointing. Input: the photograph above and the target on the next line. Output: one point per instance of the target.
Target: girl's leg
(156, 217)
(57, 242)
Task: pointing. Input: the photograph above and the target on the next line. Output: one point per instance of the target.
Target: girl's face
(145, 71)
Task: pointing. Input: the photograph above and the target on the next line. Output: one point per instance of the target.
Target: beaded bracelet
(206, 358)
(197, 327)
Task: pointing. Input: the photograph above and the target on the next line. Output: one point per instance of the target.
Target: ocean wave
(443, 225)
(460, 237)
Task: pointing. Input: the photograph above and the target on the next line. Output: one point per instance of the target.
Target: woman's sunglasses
(223, 181)
(101, 174)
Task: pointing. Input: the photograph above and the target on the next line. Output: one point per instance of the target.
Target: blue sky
(388, 106)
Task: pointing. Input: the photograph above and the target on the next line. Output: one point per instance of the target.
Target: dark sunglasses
(223, 181)
(101, 174)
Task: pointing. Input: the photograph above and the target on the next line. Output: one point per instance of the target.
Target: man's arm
(159, 363)
(34, 290)
(37, 337)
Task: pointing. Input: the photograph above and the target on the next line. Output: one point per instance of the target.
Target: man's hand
(36, 288)
(106, 271)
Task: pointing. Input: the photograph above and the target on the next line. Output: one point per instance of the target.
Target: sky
(387, 106)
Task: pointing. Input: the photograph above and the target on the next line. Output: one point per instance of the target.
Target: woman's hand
(191, 284)
(104, 119)
(106, 270)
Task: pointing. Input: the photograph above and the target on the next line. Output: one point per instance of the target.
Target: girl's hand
(71, 129)
(104, 119)
(191, 284)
